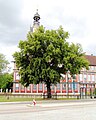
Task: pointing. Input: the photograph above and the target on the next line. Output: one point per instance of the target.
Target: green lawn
(16, 99)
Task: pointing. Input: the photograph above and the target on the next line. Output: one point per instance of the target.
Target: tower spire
(36, 22)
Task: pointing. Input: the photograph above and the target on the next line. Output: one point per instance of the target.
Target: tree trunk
(48, 90)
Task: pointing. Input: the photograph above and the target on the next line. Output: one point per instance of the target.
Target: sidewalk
(52, 103)
(67, 104)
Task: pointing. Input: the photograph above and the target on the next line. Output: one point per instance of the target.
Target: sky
(78, 17)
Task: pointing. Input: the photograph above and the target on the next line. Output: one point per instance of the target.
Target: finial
(37, 10)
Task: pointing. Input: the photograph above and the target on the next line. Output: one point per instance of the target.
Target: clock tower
(36, 22)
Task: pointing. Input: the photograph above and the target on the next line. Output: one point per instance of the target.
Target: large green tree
(6, 81)
(3, 63)
(5, 78)
(45, 55)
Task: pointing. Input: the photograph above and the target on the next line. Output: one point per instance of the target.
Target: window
(45, 87)
(63, 86)
(40, 87)
(93, 78)
(17, 86)
(85, 77)
(92, 67)
(76, 86)
(58, 86)
(34, 87)
(88, 77)
(70, 86)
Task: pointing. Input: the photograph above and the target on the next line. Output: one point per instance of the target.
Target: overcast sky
(78, 17)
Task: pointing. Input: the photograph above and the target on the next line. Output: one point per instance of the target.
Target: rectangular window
(70, 86)
(92, 67)
(76, 86)
(58, 86)
(95, 68)
(88, 78)
(45, 88)
(85, 78)
(17, 86)
(40, 87)
(93, 78)
(63, 86)
(35, 87)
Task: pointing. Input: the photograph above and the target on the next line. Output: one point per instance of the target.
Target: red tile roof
(91, 59)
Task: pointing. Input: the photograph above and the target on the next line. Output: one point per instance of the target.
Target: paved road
(49, 110)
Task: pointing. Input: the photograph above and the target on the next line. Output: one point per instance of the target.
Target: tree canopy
(3, 63)
(46, 54)
(6, 81)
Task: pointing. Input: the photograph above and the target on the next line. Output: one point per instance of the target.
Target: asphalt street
(49, 110)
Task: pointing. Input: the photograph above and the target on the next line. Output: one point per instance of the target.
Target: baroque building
(82, 84)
